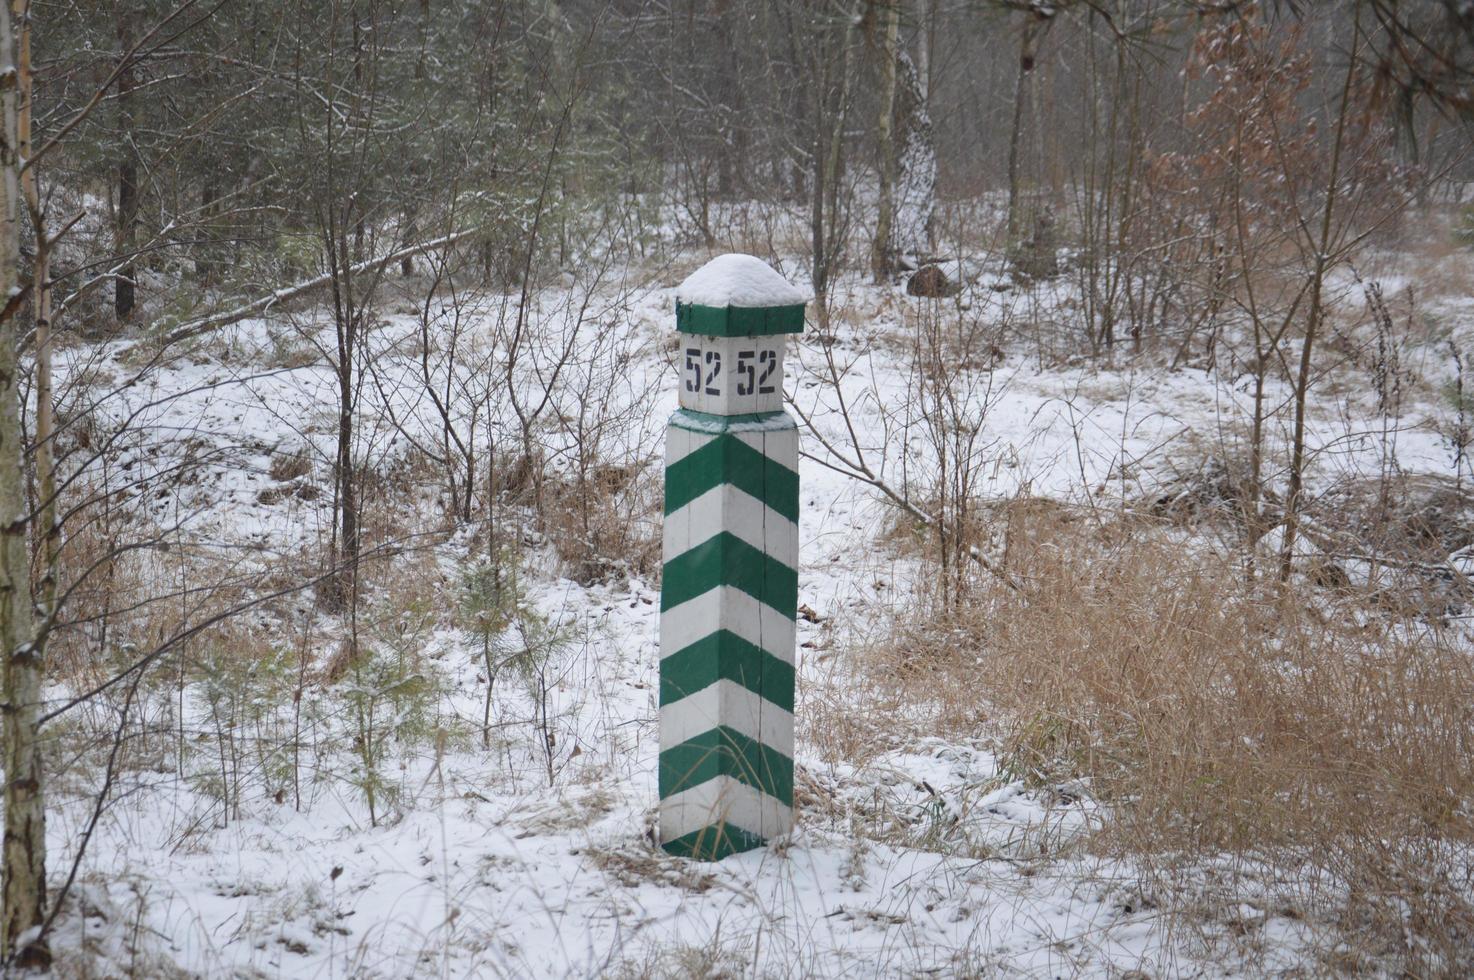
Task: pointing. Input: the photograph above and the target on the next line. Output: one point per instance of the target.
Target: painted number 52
(755, 369)
(748, 380)
(712, 360)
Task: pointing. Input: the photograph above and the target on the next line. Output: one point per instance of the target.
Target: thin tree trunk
(882, 254)
(47, 529)
(23, 875)
(828, 159)
(204, 265)
(346, 533)
(1028, 49)
(411, 232)
(816, 212)
(124, 295)
(1314, 315)
(927, 12)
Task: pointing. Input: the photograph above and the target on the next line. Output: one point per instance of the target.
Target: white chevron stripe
(723, 798)
(727, 508)
(779, 445)
(731, 704)
(729, 608)
(680, 443)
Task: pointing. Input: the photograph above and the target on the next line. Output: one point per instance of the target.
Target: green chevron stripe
(727, 459)
(739, 321)
(725, 751)
(714, 842)
(725, 559)
(725, 656)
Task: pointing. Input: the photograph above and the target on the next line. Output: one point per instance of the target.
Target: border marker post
(729, 590)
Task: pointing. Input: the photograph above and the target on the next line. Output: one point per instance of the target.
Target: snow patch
(718, 424)
(739, 280)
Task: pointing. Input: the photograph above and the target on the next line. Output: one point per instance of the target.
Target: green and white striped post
(730, 584)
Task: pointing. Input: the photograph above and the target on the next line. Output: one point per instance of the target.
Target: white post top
(744, 281)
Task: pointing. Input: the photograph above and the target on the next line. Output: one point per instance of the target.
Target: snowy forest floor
(276, 813)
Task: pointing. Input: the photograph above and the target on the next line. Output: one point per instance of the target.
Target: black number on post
(770, 358)
(693, 368)
(714, 362)
(746, 370)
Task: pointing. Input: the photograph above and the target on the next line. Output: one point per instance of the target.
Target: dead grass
(1298, 731)
(604, 521)
(633, 864)
(290, 465)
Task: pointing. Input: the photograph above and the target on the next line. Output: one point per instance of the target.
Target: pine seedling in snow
(504, 630)
(389, 700)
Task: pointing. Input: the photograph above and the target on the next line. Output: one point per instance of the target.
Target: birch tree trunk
(23, 875)
(48, 531)
(916, 167)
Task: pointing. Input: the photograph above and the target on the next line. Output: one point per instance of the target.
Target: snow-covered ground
(918, 859)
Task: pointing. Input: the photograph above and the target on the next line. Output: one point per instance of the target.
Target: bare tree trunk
(48, 529)
(828, 165)
(204, 264)
(816, 209)
(343, 588)
(342, 227)
(916, 165)
(882, 255)
(1034, 29)
(927, 13)
(124, 294)
(23, 888)
(1321, 248)
(1052, 165)
(411, 232)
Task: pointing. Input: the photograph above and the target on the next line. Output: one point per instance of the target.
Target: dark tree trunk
(204, 264)
(1034, 29)
(124, 295)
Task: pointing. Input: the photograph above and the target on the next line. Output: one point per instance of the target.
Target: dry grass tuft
(288, 466)
(634, 864)
(604, 521)
(1294, 731)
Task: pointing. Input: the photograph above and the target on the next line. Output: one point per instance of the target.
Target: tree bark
(1034, 29)
(882, 253)
(48, 529)
(204, 264)
(124, 294)
(916, 166)
(342, 589)
(23, 875)
(828, 160)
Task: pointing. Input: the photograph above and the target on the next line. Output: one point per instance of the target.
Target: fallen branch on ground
(259, 306)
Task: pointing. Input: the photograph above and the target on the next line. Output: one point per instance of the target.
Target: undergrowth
(1312, 738)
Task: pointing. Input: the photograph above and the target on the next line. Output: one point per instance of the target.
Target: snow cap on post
(737, 295)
